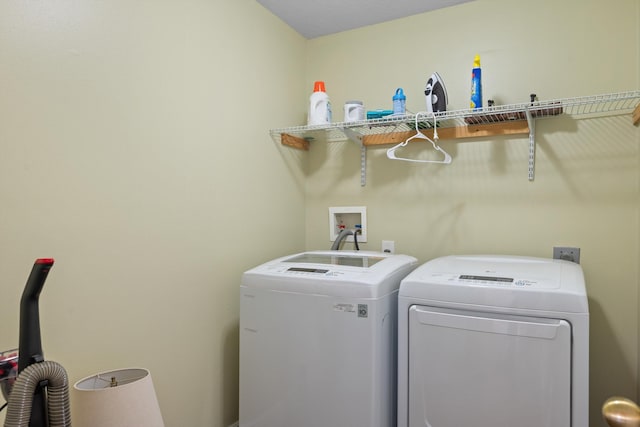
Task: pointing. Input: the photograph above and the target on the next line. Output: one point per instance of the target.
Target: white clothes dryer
(493, 341)
(318, 340)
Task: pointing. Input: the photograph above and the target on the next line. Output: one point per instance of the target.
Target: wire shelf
(587, 106)
(485, 122)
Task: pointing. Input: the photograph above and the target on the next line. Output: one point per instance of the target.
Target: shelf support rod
(532, 144)
(363, 166)
(357, 138)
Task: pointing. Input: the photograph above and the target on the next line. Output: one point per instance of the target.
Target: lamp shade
(120, 398)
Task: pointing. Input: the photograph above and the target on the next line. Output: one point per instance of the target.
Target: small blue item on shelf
(399, 101)
(378, 114)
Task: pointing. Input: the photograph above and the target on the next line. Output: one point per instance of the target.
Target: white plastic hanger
(419, 135)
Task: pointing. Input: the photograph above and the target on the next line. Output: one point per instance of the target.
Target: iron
(436, 94)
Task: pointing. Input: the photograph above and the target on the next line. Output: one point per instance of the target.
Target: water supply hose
(341, 236)
(21, 398)
(355, 238)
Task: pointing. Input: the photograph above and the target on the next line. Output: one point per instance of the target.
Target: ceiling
(315, 18)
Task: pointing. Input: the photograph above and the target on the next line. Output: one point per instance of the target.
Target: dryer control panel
(491, 280)
(488, 280)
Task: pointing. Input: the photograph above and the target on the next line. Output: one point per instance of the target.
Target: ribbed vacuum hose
(21, 398)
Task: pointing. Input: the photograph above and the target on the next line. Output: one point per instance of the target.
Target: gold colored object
(621, 412)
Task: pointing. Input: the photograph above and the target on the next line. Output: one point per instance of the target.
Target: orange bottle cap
(319, 87)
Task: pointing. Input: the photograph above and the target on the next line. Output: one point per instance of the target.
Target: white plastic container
(353, 111)
(319, 106)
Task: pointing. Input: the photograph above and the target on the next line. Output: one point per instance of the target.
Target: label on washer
(344, 307)
(363, 310)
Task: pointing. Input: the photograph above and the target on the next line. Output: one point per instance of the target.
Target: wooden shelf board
(294, 141)
(471, 131)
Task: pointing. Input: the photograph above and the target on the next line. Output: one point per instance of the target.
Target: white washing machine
(318, 340)
(493, 341)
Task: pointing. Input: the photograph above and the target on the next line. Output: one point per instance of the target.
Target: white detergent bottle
(319, 106)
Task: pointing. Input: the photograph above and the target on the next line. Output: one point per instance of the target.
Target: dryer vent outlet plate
(567, 253)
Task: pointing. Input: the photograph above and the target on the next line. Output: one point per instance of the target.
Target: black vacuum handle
(30, 344)
(30, 347)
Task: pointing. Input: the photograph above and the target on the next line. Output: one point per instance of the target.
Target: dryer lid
(500, 281)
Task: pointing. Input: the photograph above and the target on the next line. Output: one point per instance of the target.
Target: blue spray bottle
(476, 84)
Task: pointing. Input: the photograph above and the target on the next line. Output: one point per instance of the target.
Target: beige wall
(585, 191)
(638, 138)
(134, 149)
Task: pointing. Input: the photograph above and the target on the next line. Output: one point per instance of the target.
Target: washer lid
(364, 260)
(500, 281)
(361, 274)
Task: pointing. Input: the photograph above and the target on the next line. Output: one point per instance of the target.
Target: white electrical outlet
(348, 217)
(388, 246)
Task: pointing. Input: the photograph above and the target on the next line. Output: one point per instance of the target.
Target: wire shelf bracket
(532, 144)
(357, 138)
